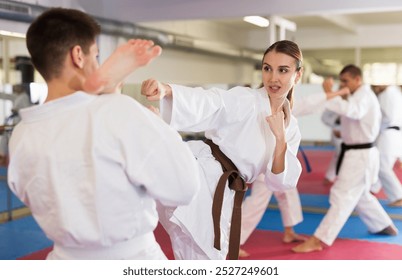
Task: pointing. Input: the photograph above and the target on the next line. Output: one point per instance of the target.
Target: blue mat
(15, 202)
(318, 148)
(353, 229)
(21, 237)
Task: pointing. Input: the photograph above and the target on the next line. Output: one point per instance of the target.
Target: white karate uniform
(255, 204)
(360, 123)
(235, 121)
(389, 142)
(90, 169)
(330, 119)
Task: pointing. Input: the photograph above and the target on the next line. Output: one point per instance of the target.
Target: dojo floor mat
(23, 239)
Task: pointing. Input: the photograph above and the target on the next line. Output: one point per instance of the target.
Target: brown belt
(236, 183)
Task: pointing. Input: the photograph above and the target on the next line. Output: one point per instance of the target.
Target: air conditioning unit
(10, 7)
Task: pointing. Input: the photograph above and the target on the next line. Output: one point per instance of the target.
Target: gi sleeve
(353, 108)
(157, 159)
(198, 110)
(308, 104)
(330, 118)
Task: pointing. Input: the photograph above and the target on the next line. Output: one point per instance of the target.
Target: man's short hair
(353, 70)
(54, 33)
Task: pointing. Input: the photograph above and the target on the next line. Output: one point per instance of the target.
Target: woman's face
(279, 74)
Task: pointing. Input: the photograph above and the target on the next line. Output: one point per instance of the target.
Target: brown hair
(352, 69)
(54, 33)
(291, 49)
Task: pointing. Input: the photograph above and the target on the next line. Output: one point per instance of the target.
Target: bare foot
(311, 245)
(243, 253)
(397, 203)
(293, 237)
(122, 62)
(3, 160)
(327, 183)
(389, 230)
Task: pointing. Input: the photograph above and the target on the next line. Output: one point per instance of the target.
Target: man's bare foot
(399, 163)
(397, 203)
(243, 253)
(293, 237)
(122, 62)
(311, 245)
(327, 183)
(389, 230)
(3, 160)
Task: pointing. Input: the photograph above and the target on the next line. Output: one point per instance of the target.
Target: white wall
(186, 67)
(311, 127)
(191, 68)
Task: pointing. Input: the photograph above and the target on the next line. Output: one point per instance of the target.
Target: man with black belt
(360, 126)
(389, 142)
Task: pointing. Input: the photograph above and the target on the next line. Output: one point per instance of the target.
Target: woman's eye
(266, 68)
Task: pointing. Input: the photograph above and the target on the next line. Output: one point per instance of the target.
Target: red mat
(312, 183)
(268, 245)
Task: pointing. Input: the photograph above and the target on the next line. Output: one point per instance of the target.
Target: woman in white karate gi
(252, 127)
(255, 204)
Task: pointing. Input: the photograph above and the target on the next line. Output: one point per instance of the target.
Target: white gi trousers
(389, 145)
(330, 174)
(388, 179)
(351, 191)
(255, 205)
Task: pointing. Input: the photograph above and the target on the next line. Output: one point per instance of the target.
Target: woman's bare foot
(290, 236)
(123, 61)
(293, 237)
(243, 253)
(312, 244)
(327, 182)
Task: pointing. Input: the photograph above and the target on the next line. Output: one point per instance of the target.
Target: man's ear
(77, 56)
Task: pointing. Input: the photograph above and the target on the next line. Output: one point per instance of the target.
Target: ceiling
(329, 32)
(168, 10)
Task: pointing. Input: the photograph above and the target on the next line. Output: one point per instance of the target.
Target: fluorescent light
(257, 20)
(11, 34)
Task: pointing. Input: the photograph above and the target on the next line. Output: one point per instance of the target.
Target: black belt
(394, 127)
(345, 147)
(236, 183)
